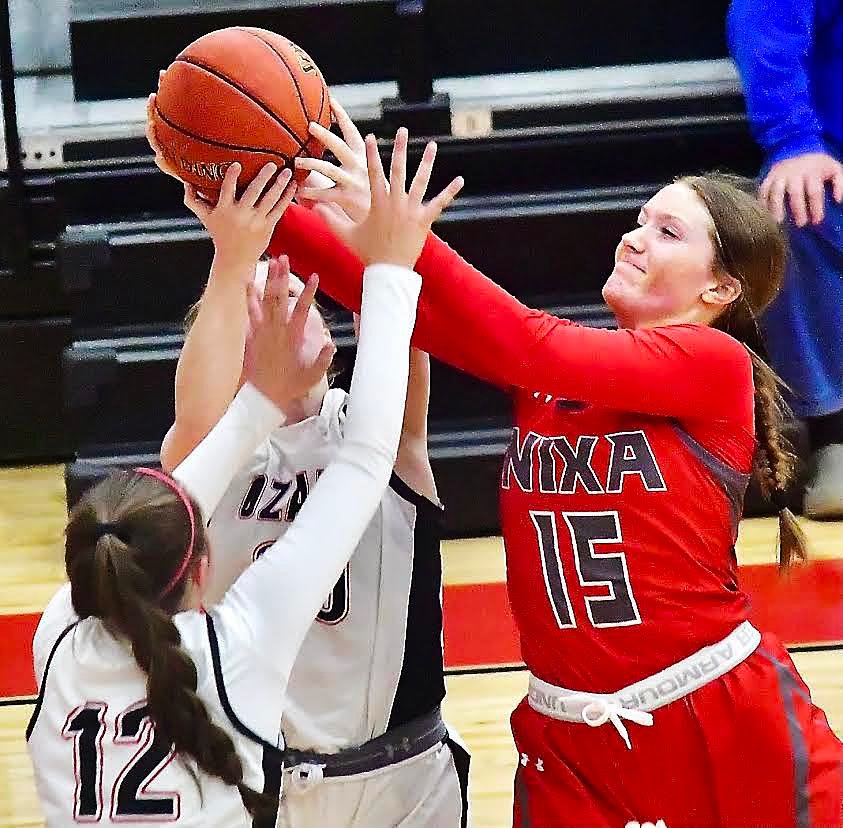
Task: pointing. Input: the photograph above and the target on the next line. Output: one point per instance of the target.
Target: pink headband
(168, 481)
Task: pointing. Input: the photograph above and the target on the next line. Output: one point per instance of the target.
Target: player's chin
(617, 291)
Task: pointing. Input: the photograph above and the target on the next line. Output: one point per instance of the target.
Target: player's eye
(669, 232)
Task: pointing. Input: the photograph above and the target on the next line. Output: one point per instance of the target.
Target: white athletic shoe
(824, 490)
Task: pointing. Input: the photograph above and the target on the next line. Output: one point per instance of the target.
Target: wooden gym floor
(485, 680)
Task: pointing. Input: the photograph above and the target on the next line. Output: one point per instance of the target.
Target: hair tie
(103, 529)
(182, 567)
(779, 499)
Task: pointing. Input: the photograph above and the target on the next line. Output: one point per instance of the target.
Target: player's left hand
(346, 185)
(281, 367)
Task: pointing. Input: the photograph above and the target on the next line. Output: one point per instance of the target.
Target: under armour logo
(525, 760)
(634, 824)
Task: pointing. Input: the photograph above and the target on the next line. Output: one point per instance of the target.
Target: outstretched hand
(279, 365)
(345, 185)
(398, 222)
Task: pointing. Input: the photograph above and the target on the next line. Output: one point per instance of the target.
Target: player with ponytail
(651, 694)
(151, 709)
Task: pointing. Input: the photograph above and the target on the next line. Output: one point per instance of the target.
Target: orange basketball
(239, 94)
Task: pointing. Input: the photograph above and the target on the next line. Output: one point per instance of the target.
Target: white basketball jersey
(373, 658)
(95, 752)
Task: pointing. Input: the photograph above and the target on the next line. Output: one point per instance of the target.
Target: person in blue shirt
(789, 54)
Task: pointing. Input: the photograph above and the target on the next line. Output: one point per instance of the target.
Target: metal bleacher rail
(58, 132)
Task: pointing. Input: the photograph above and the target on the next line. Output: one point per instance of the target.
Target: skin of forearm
(413, 462)
(211, 361)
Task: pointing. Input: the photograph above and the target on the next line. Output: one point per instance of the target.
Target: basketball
(239, 94)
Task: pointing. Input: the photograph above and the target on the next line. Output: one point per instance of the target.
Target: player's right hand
(802, 180)
(398, 222)
(241, 228)
(282, 367)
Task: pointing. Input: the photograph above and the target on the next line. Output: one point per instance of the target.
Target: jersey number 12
(130, 799)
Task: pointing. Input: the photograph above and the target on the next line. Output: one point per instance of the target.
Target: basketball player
(621, 494)
(132, 672)
(369, 675)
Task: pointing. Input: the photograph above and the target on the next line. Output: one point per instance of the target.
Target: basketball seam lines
(217, 74)
(287, 67)
(321, 105)
(214, 143)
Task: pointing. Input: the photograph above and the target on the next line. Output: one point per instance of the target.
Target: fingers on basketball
(270, 198)
(252, 193)
(228, 191)
(349, 130)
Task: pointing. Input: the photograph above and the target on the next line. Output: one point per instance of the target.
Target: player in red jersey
(620, 499)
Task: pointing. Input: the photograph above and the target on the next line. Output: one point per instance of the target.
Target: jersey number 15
(587, 531)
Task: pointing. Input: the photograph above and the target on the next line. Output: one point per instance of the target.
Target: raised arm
(211, 362)
(283, 370)
(278, 597)
(470, 322)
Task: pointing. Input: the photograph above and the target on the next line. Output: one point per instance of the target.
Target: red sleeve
(684, 371)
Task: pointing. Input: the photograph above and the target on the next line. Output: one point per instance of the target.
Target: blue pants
(804, 325)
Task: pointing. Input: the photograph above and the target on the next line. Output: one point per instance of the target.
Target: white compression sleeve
(277, 598)
(208, 470)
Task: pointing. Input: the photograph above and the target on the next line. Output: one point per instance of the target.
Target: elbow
(178, 443)
(374, 460)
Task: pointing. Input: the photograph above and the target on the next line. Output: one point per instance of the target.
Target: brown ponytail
(775, 462)
(751, 247)
(124, 540)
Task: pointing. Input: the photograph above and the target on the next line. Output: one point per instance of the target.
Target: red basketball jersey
(623, 484)
(619, 530)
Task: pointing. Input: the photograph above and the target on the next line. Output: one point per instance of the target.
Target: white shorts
(430, 789)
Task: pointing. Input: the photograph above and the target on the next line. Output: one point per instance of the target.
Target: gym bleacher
(563, 118)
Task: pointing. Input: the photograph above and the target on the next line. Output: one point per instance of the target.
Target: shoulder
(702, 342)
(721, 363)
(57, 616)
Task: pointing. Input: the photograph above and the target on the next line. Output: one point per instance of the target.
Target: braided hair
(124, 542)
(751, 248)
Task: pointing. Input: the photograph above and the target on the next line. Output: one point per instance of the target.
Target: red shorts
(747, 750)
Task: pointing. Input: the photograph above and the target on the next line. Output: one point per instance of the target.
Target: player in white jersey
(150, 709)
(369, 678)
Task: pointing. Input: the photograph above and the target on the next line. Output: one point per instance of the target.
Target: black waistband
(397, 745)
